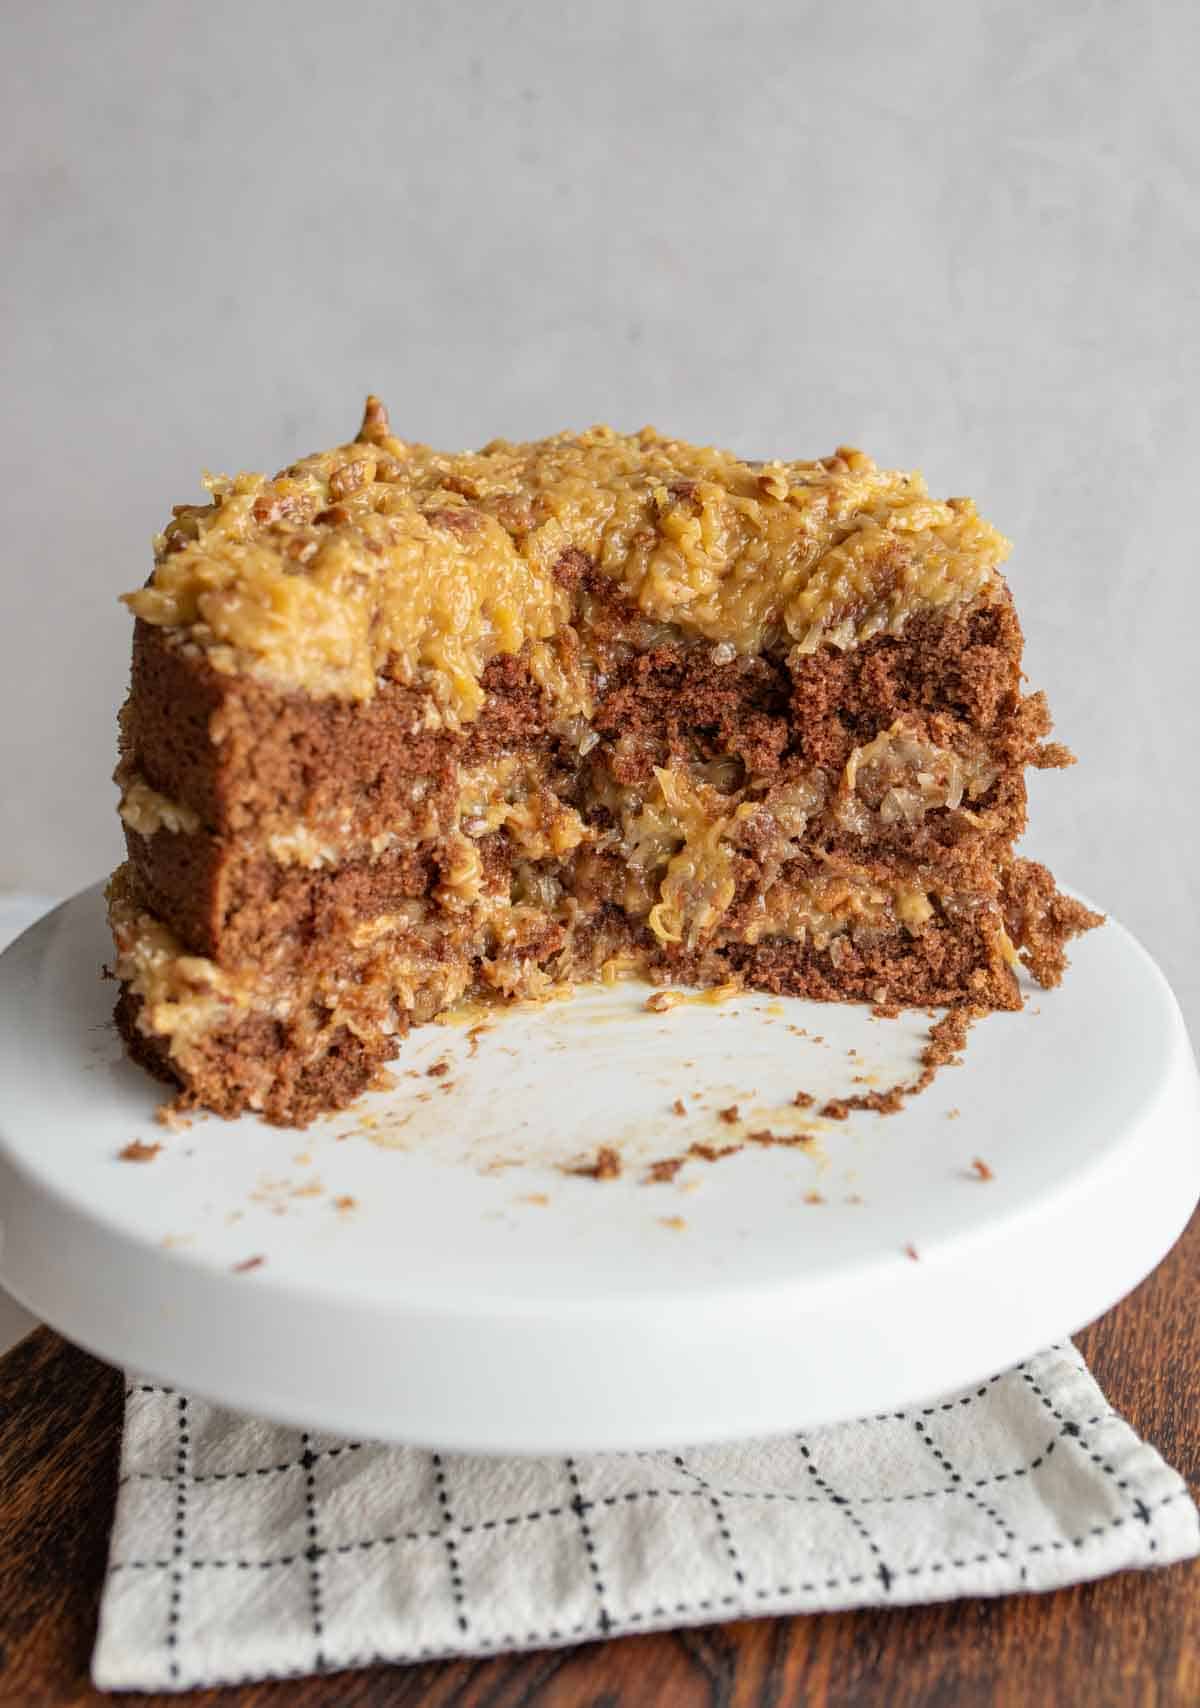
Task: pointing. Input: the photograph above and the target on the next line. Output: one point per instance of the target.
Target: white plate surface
(473, 1295)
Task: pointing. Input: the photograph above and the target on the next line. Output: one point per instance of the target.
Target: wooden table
(1131, 1640)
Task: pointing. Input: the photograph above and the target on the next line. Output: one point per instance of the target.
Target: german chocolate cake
(408, 727)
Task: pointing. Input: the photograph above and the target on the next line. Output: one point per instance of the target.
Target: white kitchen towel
(242, 1550)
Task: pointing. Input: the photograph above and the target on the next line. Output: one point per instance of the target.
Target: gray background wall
(964, 236)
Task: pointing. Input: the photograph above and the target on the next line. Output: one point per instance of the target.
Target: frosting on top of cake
(384, 558)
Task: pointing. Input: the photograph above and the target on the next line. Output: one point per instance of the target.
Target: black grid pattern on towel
(271, 1552)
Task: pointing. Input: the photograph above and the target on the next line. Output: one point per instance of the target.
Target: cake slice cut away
(406, 727)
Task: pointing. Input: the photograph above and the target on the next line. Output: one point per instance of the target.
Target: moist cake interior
(406, 728)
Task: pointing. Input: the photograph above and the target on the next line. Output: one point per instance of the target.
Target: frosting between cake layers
(147, 811)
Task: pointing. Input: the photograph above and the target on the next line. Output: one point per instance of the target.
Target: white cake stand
(422, 1270)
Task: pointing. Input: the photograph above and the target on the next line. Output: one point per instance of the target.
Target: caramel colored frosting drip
(384, 558)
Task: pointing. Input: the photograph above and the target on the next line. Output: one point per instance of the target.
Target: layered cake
(408, 727)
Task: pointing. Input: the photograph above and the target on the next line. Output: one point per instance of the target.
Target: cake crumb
(795, 1141)
(171, 1116)
(345, 1202)
(953, 1114)
(804, 1100)
(731, 1115)
(667, 1167)
(247, 1264)
(473, 1037)
(911, 1251)
(679, 1107)
(946, 1038)
(813, 1198)
(437, 1070)
(605, 1165)
(137, 1151)
(676, 1223)
(664, 1170)
(980, 1169)
(712, 1153)
(662, 1000)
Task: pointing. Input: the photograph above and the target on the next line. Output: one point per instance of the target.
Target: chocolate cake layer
(241, 754)
(255, 1065)
(231, 901)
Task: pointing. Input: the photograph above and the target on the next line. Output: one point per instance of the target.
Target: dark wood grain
(1131, 1641)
